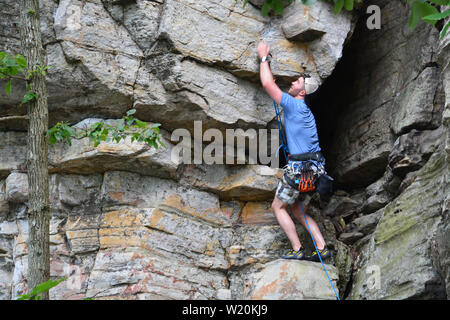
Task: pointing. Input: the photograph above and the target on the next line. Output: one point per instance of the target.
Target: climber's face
(297, 87)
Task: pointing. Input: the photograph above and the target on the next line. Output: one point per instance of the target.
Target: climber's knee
(277, 204)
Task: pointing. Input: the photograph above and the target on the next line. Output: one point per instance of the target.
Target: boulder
(17, 187)
(245, 183)
(292, 280)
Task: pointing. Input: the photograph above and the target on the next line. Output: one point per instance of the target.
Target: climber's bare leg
(298, 214)
(286, 223)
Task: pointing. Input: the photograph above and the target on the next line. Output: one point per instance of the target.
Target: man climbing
(303, 142)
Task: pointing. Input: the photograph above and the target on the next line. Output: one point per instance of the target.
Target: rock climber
(303, 142)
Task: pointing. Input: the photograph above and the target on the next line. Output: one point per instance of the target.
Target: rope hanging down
(283, 144)
(285, 148)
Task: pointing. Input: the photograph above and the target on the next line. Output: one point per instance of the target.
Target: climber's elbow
(273, 90)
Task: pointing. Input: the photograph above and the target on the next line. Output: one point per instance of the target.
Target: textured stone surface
(393, 90)
(13, 151)
(401, 245)
(249, 182)
(292, 280)
(128, 223)
(103, 56)
(412, 150)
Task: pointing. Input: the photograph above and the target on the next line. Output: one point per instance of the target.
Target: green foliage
(278, 5)
(426, 11)
(127, 126)
(11, 66)
(36, 293)
(15, 67)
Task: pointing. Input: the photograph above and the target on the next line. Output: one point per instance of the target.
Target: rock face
(292, 280)
(391, 142)
(132, 222)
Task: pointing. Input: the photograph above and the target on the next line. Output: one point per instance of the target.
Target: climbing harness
(303, 173)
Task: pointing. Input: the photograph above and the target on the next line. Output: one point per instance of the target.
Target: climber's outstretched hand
(263, 49)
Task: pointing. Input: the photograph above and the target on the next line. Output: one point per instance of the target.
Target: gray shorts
(287, 193)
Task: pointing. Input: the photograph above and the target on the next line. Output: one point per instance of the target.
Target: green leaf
(348, 5)
(24, 297)
(8, 87)
(131, 112)
(444, 30)
(141, 124)
(45, 286)
(438, 16)
(308, 2)
(440, 2)
(21, 61)
(419, 10)
(29, 96)
(266, 8)
(278, 6)
(338, 6)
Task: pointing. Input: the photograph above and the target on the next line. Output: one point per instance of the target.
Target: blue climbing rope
(317, 250)
(281, 133)
(284, 145)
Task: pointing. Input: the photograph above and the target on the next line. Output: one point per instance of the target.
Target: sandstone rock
(12, 150)
(257, 244)
(17, 187)
(198, 92)
(247, 182)
(415, 107)
(258, 213)
(292, 280)
(442, 242)
(83, 157)
(412, 150)
(342, 206)
(4, 208)
(350, 237)
(384, 62)
(150, 274)
(365, 224)
(344, 264)
(360, 158)
(130, 189)
(399, 250)
(307, 23)
(381, 192)
(168, 235)
(139, 17)
(228, 22)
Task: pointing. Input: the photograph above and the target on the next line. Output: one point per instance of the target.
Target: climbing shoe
(324, 253)
(296, 255)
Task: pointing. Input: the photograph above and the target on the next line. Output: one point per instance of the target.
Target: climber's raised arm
(265, 73)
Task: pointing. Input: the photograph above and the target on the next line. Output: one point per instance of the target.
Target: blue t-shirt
(300, 125)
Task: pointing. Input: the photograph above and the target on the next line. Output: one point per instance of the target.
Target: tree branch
(15, 77)
(8, 118)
